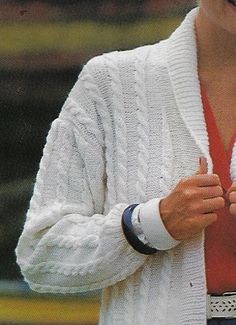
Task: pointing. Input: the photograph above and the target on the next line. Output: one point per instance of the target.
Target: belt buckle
(219, 307)
(228, 294)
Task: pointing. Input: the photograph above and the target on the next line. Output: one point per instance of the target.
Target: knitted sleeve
(68, 244)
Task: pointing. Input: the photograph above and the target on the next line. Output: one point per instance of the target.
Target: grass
(47, 310)
(34, 37)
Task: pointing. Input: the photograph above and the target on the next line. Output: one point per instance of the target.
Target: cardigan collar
(182, 64)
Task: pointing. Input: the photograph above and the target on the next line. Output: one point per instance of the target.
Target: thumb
(203, 168)
(231, 189)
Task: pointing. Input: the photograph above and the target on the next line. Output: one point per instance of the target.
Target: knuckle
(232, 209)
(219, 190)
(221, 202)
(233, 186)
(232, 196)
(213, 217)
(196, 192)
(210, 218)
(194, 208)
(184, 181)
(216, 178)
(187, 193)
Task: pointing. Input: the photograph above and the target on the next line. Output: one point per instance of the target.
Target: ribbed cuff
(153, 226)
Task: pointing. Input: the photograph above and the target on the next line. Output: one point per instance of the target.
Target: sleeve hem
(153, 226)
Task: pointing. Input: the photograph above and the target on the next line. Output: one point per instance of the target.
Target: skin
(216, 30)
(192, 204)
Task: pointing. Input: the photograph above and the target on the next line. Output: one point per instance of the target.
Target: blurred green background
(43, 46)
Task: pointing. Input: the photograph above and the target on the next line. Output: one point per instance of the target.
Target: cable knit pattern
(164, 289)
(143, 123)
(63, 160)
(96, 97)
(104, 136)
(127, 311)
(144, 290)
(37, 198)
(167, 158)
(112, 62)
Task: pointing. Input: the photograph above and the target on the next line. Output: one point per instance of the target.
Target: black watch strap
(132, 239)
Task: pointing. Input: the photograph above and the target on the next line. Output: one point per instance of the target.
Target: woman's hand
(231, 196)
(193, 203)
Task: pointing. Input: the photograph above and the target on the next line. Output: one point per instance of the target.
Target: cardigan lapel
(233, 163)
(183, 71)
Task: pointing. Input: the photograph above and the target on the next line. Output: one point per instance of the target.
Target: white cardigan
(130, 129)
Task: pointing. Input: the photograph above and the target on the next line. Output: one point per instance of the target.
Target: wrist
(165, 215)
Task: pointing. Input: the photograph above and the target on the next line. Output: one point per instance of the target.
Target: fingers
(210, 192)
(199, 223)
(212, 205)
(231, 196)
(231, 189)
(232, 209)
(232, 199)
(206, 219)
(203, 206)
(195, 193)
(196, 224)
(202, 169)
(202, 180)
(192, 204)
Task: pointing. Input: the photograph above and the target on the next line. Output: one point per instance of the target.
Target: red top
(220, 243)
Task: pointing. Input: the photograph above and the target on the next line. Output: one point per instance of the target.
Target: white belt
(221, 306)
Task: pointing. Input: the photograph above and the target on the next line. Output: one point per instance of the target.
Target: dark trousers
(221, 321)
